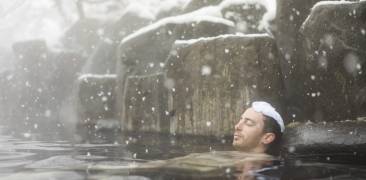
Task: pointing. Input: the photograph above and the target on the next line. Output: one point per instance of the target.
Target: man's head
(259, 130)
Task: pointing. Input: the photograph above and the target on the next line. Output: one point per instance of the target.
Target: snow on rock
(192, 41)
(181, 19)
(85, 77)
(220, 9)
(212, 14)
(142, 52)
(153, 8)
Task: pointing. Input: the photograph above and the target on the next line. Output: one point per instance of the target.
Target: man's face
(249, 131)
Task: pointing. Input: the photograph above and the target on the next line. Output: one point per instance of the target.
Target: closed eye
(249, 122)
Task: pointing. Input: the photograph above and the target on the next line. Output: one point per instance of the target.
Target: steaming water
(24, 158)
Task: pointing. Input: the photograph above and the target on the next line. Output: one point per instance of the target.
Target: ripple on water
(59, 162)
(14, 163)
(56, 175)
(4, 156)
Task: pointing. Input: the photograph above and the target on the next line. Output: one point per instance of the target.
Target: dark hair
(271, 126)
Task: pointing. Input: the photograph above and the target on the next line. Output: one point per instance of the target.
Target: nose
(237, 126)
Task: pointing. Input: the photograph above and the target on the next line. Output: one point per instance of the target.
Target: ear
(267, 138)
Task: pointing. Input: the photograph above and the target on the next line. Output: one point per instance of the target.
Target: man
(259, 130)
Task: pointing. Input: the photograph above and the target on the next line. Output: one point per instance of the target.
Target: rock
(7, 94)
(68, 65)
(96, 98)
(248, 16)
(286, 29)
(32, 75)
(145, 51)
(146, 104)
(103, 60)
(334, 69)
(83, 36)
(142, 52)
(32, 56)
(331, 138)
(40, 82)
(289, 17)
(210, 81)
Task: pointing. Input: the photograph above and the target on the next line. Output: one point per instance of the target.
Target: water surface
(131, 158)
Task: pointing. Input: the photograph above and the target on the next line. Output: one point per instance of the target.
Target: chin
(236, 145)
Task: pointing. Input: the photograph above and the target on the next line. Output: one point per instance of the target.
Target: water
(27, 158)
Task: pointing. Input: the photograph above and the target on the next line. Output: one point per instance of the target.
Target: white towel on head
(268, 110)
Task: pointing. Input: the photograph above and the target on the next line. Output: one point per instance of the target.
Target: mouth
(236, 136)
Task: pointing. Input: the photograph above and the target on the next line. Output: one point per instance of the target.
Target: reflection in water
(250, 169)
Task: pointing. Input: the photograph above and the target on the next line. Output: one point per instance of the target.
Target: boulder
(146, 103)
(40, 82)
(143, 52)
(331, 141)
(334, 69)
(248, 16)
(67, 67)
(83, 36)
(31, 58)
(103, 60)
(7, 95)
(289, 17)
(96, 98)
(32, 75)
(210, 80)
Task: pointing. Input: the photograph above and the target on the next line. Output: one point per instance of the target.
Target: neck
(260, 149)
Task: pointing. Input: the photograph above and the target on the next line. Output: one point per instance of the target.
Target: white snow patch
(212, 14)
(192, 41)
(154, 7)
(84, 77)
(322, 3)
(269, 15)
(181, 19)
